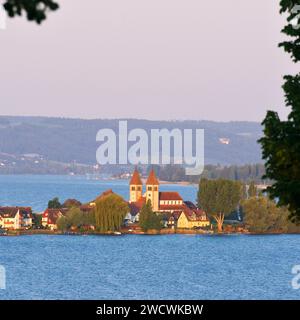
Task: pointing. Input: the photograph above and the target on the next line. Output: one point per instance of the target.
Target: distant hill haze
(68, 140)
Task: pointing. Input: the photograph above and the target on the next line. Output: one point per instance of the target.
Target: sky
(150, 59)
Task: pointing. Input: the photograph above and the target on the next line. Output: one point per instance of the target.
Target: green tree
(149, 219)
(252, 191)
(219, 198)
(110, 212)
(54, 204)
(35, 10)
(281, 140)
(37, 220)
(76, 218)
(69, 203)
(263, 215)
(63, 223)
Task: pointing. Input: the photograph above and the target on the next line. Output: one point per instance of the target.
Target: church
(169, 203)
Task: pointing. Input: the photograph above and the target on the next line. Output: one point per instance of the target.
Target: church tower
(135, 187)
(152, 190)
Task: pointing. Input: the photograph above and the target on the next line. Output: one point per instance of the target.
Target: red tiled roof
(26, 212)
(9, 212)
(152, 180)
(86, 208)
(103, 194)
(169, 196)
(195, 215)
(136, 179)
(175, 215)
(135, 207)
(53, 214)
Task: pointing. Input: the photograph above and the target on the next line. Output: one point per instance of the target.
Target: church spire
(136, 179)
(152, 180)
(135, 187)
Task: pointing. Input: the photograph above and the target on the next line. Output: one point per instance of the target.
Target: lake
(149, 267)
(36, 191)
(137, 267)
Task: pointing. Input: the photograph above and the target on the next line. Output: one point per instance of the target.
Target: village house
(189, 219)
(179, 213)
(50, 217)
(15, 218)
(26, 217)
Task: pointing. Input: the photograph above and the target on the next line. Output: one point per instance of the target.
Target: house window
(149, 188)
(155, 188)
(139, 188)
(133, 188)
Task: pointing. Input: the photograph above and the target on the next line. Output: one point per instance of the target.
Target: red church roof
(152, 180)
(135, 207)
(136, 179)
(165, 195)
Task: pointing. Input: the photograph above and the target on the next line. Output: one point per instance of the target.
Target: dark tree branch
(35, 10)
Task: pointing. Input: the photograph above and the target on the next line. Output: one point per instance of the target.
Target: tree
(69, 203)
(281, 140)
(110, 212)
(76, 218)
(37, 220)
(219, 198)
(252, 191)
(149, 219)
(63, 223)
(35, 10)
(54, 204)
(263, 215)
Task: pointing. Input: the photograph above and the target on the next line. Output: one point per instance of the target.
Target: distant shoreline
(182, 183)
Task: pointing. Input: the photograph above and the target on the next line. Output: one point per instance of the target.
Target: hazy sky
(153, 59)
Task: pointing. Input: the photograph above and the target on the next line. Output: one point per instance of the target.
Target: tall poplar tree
(148, 218)
(281, 141)
(252, 191)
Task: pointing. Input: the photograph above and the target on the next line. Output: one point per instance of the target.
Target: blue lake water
(35, 191)
(137, 267)
(149, 267)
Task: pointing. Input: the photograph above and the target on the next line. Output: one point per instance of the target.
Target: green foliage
(110, 212)
(69, 203)
(54, 204)
(292, 46)
(37, 220)
(219, 196)
(252, 191)
(149, 219)
(281, 141)
(245, 173)
(263, 215)
(35, 10)
(63, 223)
(76, 218)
